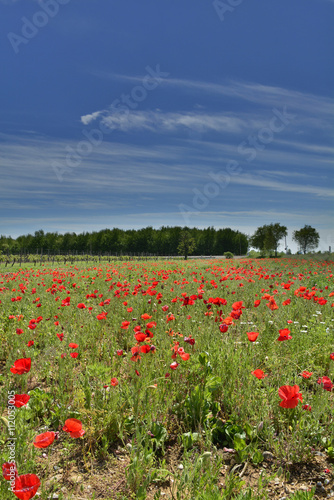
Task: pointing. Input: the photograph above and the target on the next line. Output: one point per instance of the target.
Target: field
(201, 379)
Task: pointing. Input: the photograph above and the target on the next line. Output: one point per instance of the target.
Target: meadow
(201, 379)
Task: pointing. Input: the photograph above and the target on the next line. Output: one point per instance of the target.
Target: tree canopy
(267, 237)
(307, 238)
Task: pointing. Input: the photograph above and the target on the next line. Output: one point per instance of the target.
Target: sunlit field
(201, 379)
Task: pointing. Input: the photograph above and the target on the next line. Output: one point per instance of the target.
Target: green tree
(187, 244)
(267, 237)
(307, 238)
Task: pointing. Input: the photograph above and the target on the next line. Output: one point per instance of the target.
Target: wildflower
(259, 374)
(74, 427)
(326, 383)
(44, 440)
(290, 395)
(174, 365)
(284, 334)
(114, 382)
(21, 366)
(307, 407)
(9, 471)
(26, 486)
(306, 374)
(21, 400)
(252, 336)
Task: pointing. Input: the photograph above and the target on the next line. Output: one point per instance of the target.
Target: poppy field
(201, 379)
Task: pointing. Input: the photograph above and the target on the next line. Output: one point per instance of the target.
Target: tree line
(163, 241)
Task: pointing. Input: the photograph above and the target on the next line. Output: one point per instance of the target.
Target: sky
(158, 113)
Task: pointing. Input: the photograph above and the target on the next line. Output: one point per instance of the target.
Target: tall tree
(307, 238)
(187, 244)
(267, 237)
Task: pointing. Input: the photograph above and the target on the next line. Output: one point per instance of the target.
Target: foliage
(187, 244)
(307, 238)
(267, 237)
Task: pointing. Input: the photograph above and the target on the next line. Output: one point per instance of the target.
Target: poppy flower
(74, 427)
(114, 382)
(21, 400)
(257, 303)
(101, 316)
(326, 383)
(81, 306)
(125, 325)
(259, 374)
(252, 336)
(73, 345)
(60, 336)
(174, 365)
(290, 395)
(44, 440)
(9, 471)
(306, 374)
(140, 336)
(286, 302)
(21, 366)
(19, 331)
(26, 486)
(30, 343)
(284, 334)
(307, 407)
(119, 352)
(74, 354)
(237, 305)
(145, 316)
(331, 356)
(189, 340)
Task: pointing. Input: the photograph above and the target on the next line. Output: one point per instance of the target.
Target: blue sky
(189, 112)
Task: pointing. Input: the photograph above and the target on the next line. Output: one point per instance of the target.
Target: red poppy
(284, 334)
(19, 331)
(140, 336)
(307, 407)
(9, 471)
(44, 440)
(81, 306)
(237, 305)
(114, 382)
(102, 315)
(185, 356)
(257, 303)
(74, 427)
(174, 365)
(306, 374)
(30, 343)
(272, 304)
(26, 486)
(21, 400)
(146, 316)
(290, 395)
(286, 302)
(259, 374)
(119, 352)
(60, 336)
(252, 336)
(326, 383)
(125, 325)
(331, 356)
(21, 366)
(74, 354)
(73, 345)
